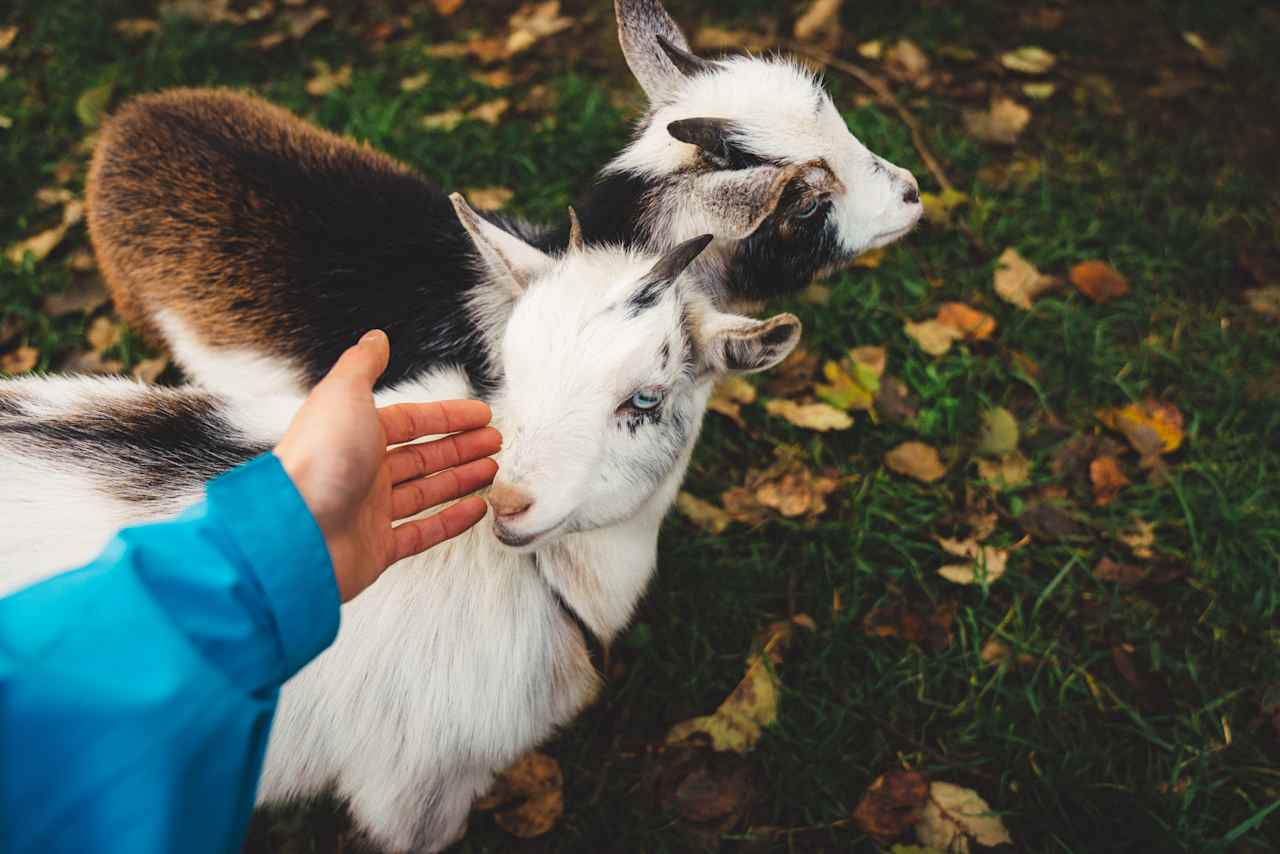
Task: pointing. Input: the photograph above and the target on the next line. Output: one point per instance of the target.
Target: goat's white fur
(458, 660)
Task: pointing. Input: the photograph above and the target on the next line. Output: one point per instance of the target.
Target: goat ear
(510, 260)
(732, 203)
(736, 344)
(640, 25)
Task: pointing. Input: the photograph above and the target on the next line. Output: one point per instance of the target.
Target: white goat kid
(456, 661)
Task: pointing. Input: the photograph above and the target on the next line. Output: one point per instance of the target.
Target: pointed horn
(676, 261)
(576, 243)
(709, 134)
(686, 63)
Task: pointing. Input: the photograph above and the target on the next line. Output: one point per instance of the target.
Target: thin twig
(885, 95)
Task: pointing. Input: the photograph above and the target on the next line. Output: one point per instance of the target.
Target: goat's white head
(752, 149)
(607, 360)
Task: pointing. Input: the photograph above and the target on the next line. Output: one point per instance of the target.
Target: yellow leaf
(871, 49)
(102, 334)
(490, 111)
(820, 417)
(532, 792)
(999, 434)
(853, 382)
(7, 35)
(1018, 282)
(325, 80)
(938, 208)
(704, 514)
(446, 121)
(1039, 91)
(729, 396)
(916, 460)
(1152, 427)
(753, 705)
(1028, 60)
(416, 82)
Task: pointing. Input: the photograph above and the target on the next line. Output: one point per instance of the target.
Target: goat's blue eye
(646, 399)
(811, 210)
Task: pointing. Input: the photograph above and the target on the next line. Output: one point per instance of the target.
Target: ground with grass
(1132, 708)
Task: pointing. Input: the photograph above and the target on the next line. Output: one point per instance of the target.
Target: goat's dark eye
(812, 208)
(646, 399)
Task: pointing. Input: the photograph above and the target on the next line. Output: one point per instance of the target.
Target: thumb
(366, 361)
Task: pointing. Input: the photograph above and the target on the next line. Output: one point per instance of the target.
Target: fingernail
(372, 335)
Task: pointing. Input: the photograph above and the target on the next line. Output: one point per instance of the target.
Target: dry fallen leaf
(905, 61)
(916, 460)
(820, 22)
(1008, 472)
(939, 207)
(753, 705)
(730, 395)
(446, 121)
(892, 805)
(709, 792)
(932, 628)
(1140, 536)
(46, 241)
(1003, 122)
(87, 295)
(819, 417)
(1028, 60)
(490, 111)
(1099, 281)
(985, 563)
(1018, 282)
(933, 337)
(954, 815)
(529, 796)
(794, 375)
(1039, 91)
(871, 50)
(533, 22)
(489, 198)
(136, 28)
(149, 370)
(499, 78)
(325, 80)
(19, 361)
(445, 8)
(1124, 574)
(1265, 301)
(1107, 478)
(789, 487)
(999, 434)
(704, 514)
(415, 82)
(103, 334)
(853, 382)
(973, 324)
(7, 35)
(1152, 427)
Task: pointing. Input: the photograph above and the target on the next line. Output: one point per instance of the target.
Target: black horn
(664, 274)
(707, 133)
(685, 62)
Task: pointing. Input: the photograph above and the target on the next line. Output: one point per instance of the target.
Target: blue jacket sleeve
(136, 693)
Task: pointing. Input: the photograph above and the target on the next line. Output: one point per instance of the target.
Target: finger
(409, 461)
(417, 536)
(405, 422)
(417, 495)
(365, 361)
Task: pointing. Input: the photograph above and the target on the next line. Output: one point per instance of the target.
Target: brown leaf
(820, 417)
(530, 794)
(1099, 281)
(149, 370)
(1003, 122)
(1107, 478)
(820, 22)
(892, 805)
(905, 61)
(445, 8)
(794, 375)
(894, 403)
(730, 395)
(742, 506)
(1008, 472)
(20, 361)
(797, 493)
(954, 815)
(1123, 574)
(86, 295)
(1265, 301)
(974, 324)
(704, 514)
(489, 198)
(930, 628)
(1140, 536)
(709, 792)
(533, 22)
(102, 334)
(325, 80)
(7, 35)
(499, 78)
(299, 22)
(934, 338)
(490, 111)
(985, 563)
(1050, 519)
(916, 460)
(1018, 282)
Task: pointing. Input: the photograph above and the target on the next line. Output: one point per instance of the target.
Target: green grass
(1170, 192)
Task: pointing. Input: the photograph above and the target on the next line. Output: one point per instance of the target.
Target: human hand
(335, 451)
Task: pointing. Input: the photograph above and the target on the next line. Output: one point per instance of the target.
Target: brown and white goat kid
(256, 245)
(458, 660)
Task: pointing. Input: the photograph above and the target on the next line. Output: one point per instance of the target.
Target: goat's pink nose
(508, 501)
